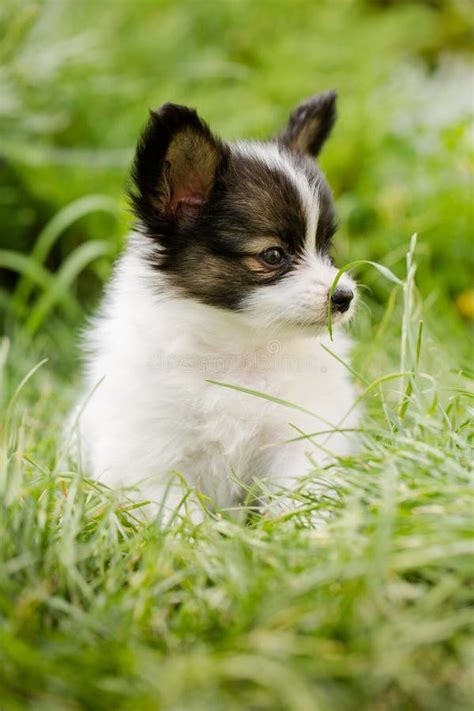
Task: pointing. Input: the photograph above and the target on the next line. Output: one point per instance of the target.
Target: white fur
(147, 408)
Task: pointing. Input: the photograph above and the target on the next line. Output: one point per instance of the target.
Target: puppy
(225, 282)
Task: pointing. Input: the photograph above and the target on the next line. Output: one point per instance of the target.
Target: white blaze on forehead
(312, 223)
(270, 154)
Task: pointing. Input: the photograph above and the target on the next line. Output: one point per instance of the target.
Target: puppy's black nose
(341, 299)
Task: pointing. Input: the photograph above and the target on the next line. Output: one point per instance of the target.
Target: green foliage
(369, 607)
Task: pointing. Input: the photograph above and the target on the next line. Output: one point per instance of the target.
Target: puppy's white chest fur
(148, 409)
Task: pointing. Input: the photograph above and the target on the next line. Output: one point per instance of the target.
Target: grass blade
(385, 271)
(69, 271)
(55, 228)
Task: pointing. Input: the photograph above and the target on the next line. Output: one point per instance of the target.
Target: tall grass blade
(387, 273)
(37, 275)
(53, 231)
(69, 271)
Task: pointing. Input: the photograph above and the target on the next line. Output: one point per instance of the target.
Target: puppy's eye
(273, 256)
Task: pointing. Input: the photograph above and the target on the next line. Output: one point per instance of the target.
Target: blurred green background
(78, 76)
(371, 613)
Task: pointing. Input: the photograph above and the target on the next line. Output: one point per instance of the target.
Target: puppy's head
(245, 227)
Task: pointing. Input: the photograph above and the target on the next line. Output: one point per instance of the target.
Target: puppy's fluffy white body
(226, 279)
(148, 409)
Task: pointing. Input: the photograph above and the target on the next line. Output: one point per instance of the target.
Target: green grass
(358, 598)
(371, 608)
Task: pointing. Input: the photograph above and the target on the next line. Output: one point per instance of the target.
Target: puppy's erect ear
(310, 124)
(175, 166)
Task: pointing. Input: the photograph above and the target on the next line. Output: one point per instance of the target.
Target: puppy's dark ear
(310, 124)
(175, 166)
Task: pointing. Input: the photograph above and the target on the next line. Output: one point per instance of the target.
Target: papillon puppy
(209, 362)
